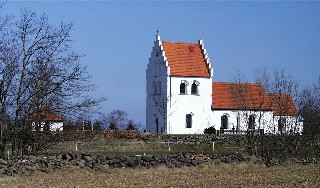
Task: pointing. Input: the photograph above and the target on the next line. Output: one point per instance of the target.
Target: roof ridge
(180, 42)
(249, 83)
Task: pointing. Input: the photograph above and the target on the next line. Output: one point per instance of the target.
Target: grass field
(205, 175)
(127, 147)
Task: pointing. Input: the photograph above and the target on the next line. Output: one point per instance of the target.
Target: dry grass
(105, 147)
(102, 146)
(206, 175)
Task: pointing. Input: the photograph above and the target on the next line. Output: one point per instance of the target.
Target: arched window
(281, 124)
(157, 125)
(189, 120)
(238, 123)
(194, 88)
(182, 88)
(224, 122)
(252, 120)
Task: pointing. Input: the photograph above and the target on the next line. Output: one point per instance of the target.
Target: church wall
(198, 106)
(170, 111)
(292, 124)
(156, 88)
(241, 123)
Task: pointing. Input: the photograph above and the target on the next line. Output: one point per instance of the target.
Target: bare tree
(309, 106)
(38, 68)
(116, 119)
(252, 102)
(164, 106)
(283, 95)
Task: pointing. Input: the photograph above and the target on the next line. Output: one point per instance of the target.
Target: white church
(183, 99)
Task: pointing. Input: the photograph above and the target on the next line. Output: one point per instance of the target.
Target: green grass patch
(130, 147)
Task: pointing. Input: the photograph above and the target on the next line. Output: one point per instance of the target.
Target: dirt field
(206, 175)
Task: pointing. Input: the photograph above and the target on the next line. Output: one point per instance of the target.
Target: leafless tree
(282, 88)
(251, 100)
(164, 105)
(38, 68)
(309, 106)
(116, 119)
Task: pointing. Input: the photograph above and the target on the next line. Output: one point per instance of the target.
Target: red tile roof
(283, 105)
(250, 96)
(233, 96)
(46, 115)
(185, 59)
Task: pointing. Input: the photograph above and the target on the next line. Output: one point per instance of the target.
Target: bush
(210, 130)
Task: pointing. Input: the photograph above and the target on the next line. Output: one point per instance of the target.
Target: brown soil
(206, 175)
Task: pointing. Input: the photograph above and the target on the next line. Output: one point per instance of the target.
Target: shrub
(209, 130)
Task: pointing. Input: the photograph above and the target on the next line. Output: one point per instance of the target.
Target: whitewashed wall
(266, 121)
(178, 105)
(56, 126)
(183, 104)
(53, 125)
(156, 74)
(293, 124)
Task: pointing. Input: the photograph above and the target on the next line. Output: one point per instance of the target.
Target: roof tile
(45, 114)
(250, 96)
(185, 59)
(230, 95)
(283, 105)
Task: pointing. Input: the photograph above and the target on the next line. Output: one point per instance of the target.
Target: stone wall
(201, 139)
(27, 165)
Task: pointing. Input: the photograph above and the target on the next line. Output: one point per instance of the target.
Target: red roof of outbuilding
(46, 114)
(185, 59)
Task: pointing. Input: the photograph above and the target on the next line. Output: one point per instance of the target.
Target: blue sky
(117, 38)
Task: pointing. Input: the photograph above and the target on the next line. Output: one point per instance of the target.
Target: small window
(189, 120)
(224, 122)
(281, 124)
(251, 122)
(238, 124)
(183, 88)
(157, 125)
(194, 89)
